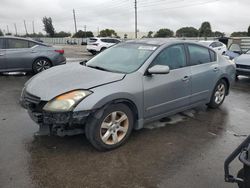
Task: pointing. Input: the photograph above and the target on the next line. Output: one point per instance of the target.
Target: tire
(108, 124)
(219, 94)
(40, 65)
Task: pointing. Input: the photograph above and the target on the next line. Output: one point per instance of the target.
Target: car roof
(160, 41)
(21, 38)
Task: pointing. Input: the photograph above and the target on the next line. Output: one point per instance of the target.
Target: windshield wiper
(99, 68)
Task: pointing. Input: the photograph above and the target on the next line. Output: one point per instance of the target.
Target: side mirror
(159, 69)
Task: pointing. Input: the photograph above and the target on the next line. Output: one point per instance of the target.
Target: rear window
(31, 44)
(198, 55)
(92, 40)
(1, 44)
(17, 43)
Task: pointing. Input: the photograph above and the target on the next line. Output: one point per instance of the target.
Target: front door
(168, 92)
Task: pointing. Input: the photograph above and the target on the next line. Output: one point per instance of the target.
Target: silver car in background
(20, 54)
(125, 87)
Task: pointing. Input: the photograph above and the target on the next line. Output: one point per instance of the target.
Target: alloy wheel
(42, 65)
(114, 127)
(220, 93)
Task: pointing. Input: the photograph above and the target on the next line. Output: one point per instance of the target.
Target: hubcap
(42, 65)
(114, 128)
(220, 93)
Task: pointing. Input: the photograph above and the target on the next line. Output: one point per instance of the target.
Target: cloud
(224, 15)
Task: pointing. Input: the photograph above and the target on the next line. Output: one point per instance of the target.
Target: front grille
(243, 66)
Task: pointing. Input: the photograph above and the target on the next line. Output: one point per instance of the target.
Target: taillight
(95, 44)
(60, 51)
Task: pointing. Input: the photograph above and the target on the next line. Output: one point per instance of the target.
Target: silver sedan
(125, 87)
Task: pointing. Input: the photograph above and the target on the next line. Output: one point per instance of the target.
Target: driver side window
(173, 56)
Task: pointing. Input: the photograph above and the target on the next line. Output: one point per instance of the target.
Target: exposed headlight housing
(66, 102)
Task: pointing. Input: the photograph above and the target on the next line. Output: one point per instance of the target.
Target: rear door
(2, 54)
(205, 72)
(19, 55)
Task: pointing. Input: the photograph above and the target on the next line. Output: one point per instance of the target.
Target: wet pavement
(185, 150)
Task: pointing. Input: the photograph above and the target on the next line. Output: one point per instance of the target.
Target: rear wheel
(41, 64)
(112, 129)
(219, 94)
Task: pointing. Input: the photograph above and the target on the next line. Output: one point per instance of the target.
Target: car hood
(61, 79)
(243, 59)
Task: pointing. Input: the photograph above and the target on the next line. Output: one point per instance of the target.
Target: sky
(224, 15)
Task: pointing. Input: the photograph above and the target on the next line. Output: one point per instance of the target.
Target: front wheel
(218, 95)
(112, 129)
(41, 64)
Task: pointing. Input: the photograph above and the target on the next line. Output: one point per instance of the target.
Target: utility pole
(74, 15)
(135, 18)
(15, 28)
(33, 26)
(98, 31)
(25, 27)
(8, 29)
(85, 30)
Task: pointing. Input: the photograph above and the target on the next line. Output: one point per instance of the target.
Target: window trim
(189, 56)
(4, 44)
(186, 57)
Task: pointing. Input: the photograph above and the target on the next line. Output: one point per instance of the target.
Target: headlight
(67, 101)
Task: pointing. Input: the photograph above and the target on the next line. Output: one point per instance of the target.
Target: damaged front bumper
(56, 123)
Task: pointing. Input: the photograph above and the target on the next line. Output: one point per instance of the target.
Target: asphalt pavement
(186, 150)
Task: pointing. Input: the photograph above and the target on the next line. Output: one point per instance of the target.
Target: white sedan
(219, 47)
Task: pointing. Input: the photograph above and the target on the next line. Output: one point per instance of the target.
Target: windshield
(122, 58)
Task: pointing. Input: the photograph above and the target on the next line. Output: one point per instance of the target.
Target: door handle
(1, 54)
(33, 52)
(216, 69)
(219, 48)
(185, 78)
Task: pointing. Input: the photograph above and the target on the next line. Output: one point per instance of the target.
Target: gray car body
(151, 96)
(22, 59)
(243, 64)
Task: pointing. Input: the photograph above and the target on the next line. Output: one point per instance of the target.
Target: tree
(8, 34)
(108, 33)
(125, 36)
(187, 32)
(1, 33)
(218, 34)
(48, 26)
(239, 34)
(248, 31)
(81, 34)
(164, 33)
(62, 34)
(150, 33)
(205, 30)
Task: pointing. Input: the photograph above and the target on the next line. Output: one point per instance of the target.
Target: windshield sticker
(152, 48)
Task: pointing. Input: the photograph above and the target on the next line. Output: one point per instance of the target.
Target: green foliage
(248, 31)
(239, 34)
(9, 34)
(205, 30)
(150, 33)
(108, 33)
(62, 34)
(81, 34)
(1, 33)
(125, 35)
(48, 26)
(187, 32)
(218, 34)
(164, 33)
